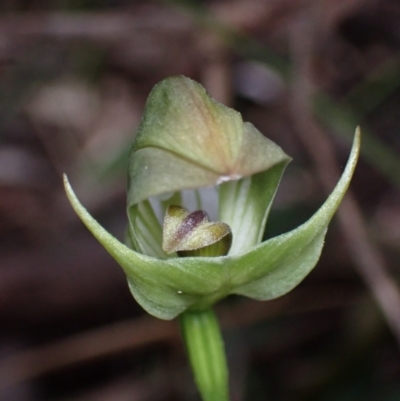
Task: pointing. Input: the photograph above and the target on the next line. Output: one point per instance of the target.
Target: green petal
(164, 288)
(275, 267)
(245, 204)
(188, 126)
(187, 140)
(145, 232)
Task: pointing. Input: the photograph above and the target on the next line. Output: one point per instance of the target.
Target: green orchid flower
(186, 142)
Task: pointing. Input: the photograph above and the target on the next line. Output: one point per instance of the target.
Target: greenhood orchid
(188, 141)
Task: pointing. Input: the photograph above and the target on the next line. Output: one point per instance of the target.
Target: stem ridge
(206, 352)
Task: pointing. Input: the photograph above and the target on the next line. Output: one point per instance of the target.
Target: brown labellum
(192, 234)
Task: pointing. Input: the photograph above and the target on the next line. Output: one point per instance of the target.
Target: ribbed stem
(205, 347)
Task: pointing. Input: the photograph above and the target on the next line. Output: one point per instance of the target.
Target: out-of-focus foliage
(74, 76)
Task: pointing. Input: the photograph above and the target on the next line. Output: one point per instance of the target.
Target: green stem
(205, 348)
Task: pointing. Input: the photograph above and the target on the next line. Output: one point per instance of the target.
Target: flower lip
(184, 231)
(190, 223)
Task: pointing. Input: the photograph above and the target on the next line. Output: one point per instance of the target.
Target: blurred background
(74, 78)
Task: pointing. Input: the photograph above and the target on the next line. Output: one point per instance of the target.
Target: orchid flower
(187, 140)
(186, 144)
